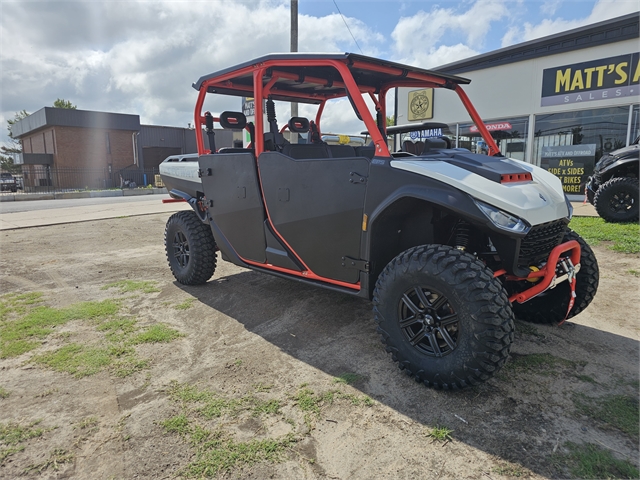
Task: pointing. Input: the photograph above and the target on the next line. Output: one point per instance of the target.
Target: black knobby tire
(551, 306)
(617, 200)
(190, 248)
(443, 317)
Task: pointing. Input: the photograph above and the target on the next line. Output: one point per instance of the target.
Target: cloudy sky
(141, 57)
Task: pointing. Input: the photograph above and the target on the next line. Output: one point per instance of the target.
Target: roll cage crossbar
(316, 78)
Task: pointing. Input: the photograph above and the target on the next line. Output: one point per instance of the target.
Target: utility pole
(294, 48)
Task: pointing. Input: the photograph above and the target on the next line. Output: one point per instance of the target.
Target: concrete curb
(70, 195)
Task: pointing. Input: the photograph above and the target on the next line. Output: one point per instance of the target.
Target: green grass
(17, 303)
(511, 470)
(25, 323)
(222, 454)
(208, 404)
(118, 329)
(4, 393)
(89, 423)
(348, 378)
(126, 286)
(178, 424)
(187, 304)
(586, 378)
(624, 237)
(216, 451)
(540, 363)
(24, 334)
(78, 360)
(635, 273)
(440, 434)
(591, 461)
(619, 411)
(158, 333)
(13, 434)
(7, 452)
(56, 458)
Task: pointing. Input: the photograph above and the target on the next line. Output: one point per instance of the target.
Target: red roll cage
(316, 78)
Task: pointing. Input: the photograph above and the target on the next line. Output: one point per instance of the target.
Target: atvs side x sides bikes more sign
(449, 245)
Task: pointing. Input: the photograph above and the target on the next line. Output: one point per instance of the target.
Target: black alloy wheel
(617, 200)
(428, 321)
(190, 248)
(181, 249)
(443, 317)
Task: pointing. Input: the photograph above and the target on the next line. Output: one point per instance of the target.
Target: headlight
(502, 219)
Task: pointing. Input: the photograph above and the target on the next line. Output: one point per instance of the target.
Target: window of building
(510, 135)
(108, 143)
(606, 128)
(568, 144)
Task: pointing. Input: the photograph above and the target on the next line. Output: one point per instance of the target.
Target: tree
(62, 103)
(390, 121)
(6, 152)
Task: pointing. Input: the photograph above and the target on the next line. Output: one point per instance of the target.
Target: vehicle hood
(630, 153)
(538, 201)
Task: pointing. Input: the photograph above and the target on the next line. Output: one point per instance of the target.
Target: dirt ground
(287, 380)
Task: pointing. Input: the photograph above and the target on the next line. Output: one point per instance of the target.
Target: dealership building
(559, 102)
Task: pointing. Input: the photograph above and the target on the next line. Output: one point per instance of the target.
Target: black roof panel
(362, 75)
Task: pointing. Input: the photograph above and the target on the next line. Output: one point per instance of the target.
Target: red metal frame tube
(356, 96)
(547, 273)
(493, 148)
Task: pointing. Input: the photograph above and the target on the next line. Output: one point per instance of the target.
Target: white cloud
(142, 57)
(417, 37)
(549, 7)
(602, 10)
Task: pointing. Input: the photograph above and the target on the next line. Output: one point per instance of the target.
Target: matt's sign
(602, 79)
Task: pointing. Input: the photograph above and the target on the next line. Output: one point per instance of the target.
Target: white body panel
(181, 170)
(539, 201)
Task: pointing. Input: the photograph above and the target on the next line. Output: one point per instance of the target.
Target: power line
(345, 24)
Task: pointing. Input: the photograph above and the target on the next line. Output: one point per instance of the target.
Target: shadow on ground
(521, 415)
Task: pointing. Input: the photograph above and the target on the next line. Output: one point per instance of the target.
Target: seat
(305, 151)
(342, 151)
(367, 151)
(436, 143)
(233, 120)
(409, 147)
(298, 125)
(235, 150)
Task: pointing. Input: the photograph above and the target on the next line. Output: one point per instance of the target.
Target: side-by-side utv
(449, 245)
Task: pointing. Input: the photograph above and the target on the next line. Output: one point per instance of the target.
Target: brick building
(65, 148)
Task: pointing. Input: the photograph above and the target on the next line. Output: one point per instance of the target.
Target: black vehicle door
(231, 188)
(316, 205)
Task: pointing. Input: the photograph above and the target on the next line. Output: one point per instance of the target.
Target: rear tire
(617, 200)
(190, 248)
(551, 306)
(443, 317)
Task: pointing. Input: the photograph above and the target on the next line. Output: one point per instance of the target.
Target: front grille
(540, 240)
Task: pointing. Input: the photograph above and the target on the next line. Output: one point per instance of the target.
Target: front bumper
(556, 270)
